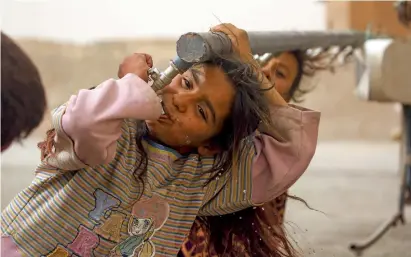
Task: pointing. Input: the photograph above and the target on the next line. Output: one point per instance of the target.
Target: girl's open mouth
(164, 115)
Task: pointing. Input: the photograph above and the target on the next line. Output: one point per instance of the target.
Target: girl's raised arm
(270, 163)
(88, 126)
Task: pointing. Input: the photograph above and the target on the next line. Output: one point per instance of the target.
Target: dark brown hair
(310, 62)
(23, 100)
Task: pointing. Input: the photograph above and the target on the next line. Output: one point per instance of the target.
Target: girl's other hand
(241, 44)
(138, 64)
(239, 40)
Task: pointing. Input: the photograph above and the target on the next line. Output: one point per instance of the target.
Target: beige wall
(66, 68)
(359, 15)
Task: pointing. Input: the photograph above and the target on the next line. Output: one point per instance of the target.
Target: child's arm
(283, 153)
(88, 127)
(269, 165)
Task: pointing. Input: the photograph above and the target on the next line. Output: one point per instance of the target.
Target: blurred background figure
(353, 177)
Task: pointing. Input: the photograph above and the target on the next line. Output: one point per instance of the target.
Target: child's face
(196, 105)
(282, 71)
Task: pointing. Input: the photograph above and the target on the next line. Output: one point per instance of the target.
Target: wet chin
(163, 133)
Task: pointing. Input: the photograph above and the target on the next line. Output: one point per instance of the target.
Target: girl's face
(196, 105)
(282, 71)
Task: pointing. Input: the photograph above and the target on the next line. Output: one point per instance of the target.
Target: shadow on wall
(66, 68)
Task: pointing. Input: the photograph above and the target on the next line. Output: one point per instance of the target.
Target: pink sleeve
(283, 154)
(9, 247)
(93, 118)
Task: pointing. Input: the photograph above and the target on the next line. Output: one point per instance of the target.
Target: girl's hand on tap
(138, 64)
(239, 40)
(241, 44)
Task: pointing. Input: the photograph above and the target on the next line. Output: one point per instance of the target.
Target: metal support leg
(405, 190)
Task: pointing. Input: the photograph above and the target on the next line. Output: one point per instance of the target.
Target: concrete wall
(66, 68)
(92, 20)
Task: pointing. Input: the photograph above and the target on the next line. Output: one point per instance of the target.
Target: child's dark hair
(250, 108)
(23, 100)
(311, 62)
(295, 92)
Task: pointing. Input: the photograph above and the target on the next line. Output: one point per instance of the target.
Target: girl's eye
(201, 111)
(187, 84)
(280, 74)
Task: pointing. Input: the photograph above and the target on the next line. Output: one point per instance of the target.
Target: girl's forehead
(289, 59)
(285, 59)
(206, 74)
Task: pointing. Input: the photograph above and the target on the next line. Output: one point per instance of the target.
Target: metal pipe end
(191, 47)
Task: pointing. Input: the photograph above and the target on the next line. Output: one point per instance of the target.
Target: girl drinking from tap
(120, 178)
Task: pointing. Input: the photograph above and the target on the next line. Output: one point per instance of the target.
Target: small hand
(138, 64)
(239, 40)
(241, 44)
